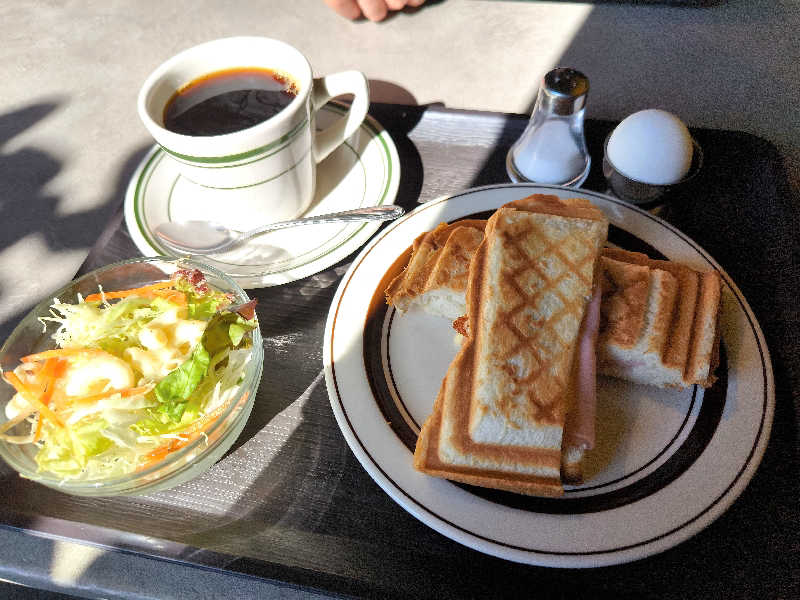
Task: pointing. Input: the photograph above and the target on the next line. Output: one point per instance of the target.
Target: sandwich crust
(704, 356)
(576, 208)
(484, 465)
(624, 303)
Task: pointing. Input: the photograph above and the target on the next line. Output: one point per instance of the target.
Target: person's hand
(374, 10)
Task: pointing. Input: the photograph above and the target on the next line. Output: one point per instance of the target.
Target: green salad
(136, 375)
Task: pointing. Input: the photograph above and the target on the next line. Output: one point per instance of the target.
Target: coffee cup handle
(330, 86)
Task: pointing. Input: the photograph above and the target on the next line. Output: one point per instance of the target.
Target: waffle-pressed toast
(436, 276)
(659, 321)
(499, 417)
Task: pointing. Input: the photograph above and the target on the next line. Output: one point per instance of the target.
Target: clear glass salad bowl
(178, 466)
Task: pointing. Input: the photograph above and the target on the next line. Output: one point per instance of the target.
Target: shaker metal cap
(563, 91)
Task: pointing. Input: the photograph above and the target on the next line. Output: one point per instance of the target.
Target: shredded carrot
(32, 398)
(174, 296)
(192, 431)
(58, 400)
(41, 374)
(205, 421)
(38, 433)
(158, 454)
(59, 367)
(161, 452)
(60, 353)
(145, 290)
(52, 369)
(125, 393)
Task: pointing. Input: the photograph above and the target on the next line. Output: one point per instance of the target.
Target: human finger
(349, 9)
(415, 3)
(374, 10)
(396, 4)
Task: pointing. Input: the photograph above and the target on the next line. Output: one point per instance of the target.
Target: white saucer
(364, 171)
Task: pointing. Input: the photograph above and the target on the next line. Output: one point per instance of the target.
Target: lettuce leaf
(226, 331)
(175, 389)
(203, 308)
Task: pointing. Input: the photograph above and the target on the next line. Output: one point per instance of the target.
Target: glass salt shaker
(552, 149)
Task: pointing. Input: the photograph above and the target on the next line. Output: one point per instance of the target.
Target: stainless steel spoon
(206, 237)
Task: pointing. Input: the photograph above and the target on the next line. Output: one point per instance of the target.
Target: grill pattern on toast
(545, 271)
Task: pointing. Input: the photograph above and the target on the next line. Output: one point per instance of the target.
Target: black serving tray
(290, 503)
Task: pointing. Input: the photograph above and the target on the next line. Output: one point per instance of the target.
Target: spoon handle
(371, 213)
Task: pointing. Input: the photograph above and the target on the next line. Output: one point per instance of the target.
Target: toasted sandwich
(435, 279)
(659, 318)
(659, 321)
(499, 418)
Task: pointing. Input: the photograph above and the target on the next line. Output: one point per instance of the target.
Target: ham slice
(579, 430)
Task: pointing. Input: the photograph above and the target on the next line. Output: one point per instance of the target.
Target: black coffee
(227, 101)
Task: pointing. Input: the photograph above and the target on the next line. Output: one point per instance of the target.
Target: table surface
(71, 141)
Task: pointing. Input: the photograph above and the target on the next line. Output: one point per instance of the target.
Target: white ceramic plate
(364, 171)
(667, 463)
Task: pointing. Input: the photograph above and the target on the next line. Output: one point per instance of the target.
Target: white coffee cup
(267, 172)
